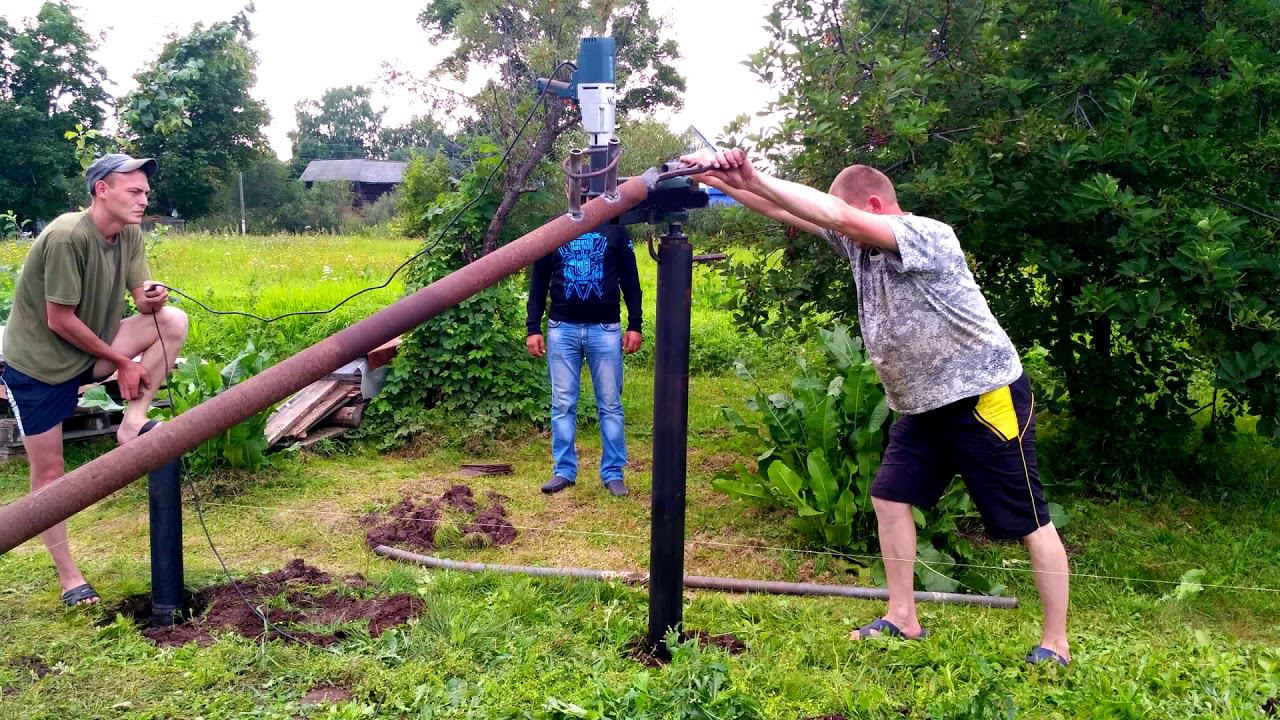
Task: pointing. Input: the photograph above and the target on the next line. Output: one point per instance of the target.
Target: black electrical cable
(439, 236)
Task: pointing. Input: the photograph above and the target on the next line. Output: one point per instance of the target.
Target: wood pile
(85, 424)
(325, 409)
(332, 405)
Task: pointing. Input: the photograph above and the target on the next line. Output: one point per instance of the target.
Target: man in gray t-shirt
(948, 369)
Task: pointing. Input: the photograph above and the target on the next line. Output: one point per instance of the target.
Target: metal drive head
(595, 84)
(670, 200)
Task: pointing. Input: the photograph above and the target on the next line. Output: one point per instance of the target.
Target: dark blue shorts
(989, 440)
(39, 406)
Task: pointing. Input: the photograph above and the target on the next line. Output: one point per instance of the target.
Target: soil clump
(413, 525)
(296, 595)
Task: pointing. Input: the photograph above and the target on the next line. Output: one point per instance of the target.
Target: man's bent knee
(172, 321)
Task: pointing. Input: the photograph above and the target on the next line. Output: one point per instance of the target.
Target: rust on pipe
(36, 512)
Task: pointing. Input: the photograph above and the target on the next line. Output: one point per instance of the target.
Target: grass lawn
(497, 646)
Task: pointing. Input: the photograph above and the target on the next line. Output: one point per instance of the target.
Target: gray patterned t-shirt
(925, 323)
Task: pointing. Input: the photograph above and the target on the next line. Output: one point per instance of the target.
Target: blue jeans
(568, 344)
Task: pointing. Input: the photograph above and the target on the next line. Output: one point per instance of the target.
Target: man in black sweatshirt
(585, 279)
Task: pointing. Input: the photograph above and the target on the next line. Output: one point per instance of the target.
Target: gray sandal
(80, 595)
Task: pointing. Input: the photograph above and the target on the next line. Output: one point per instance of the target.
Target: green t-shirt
(71, 263)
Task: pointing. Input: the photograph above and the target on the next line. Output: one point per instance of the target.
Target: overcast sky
(305, 48)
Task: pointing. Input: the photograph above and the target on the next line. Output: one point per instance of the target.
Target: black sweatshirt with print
(585, 278)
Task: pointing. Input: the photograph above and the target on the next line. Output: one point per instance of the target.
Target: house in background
(370, 179)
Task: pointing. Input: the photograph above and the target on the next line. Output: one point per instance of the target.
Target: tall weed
(242, 446)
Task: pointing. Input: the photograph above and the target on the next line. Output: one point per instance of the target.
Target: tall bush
(470, 361)
(1110, 166)
(244, 445)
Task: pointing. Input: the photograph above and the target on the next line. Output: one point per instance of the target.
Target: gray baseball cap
(117, 163)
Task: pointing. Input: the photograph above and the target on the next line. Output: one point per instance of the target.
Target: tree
(420, 136)
(49, 84)
(648, 142)
(342, 124)
(519, 41)
(193, 112)
(1108, 165)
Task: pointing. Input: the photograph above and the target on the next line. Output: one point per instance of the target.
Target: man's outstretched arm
(802, 202)
(755, 203)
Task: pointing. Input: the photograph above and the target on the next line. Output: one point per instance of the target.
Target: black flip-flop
(79, 595)
(882, 627)
(1041, 655)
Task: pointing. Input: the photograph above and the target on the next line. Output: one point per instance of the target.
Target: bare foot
(1060, 648)
(128, 429)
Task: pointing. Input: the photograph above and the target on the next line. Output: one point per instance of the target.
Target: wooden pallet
(86, 424)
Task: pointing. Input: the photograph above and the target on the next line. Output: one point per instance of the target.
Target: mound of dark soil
(646, 654)
(413, 525)
(297, 594)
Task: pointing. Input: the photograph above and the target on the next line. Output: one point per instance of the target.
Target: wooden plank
(383, 354)
(9, 432)
(16, 449)
(321, 434)
(350, 415)
(284, 419)
(336, 398)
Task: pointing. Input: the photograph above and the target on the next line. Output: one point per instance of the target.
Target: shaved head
(856, 184)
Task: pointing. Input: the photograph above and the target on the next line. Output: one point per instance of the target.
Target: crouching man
(65, 330)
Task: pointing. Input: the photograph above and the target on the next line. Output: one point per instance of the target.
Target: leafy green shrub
(424, 180)
(243, 446)
(1117, 216)
(10, 226)
(824, 440)
(383, 210)
(470, 360)
(319, 208)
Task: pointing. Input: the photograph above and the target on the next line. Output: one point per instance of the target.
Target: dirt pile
(454, 515)
(292, 599)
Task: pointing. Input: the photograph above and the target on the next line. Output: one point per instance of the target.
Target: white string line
(43, 550)
(743, 546)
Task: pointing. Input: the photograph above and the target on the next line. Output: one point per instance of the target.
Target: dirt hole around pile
(453, 519)
(303, 604)
(640, 650)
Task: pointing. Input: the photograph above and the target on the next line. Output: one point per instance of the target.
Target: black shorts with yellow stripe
(989, 440)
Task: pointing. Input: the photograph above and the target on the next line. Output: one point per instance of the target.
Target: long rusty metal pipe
(36, 512)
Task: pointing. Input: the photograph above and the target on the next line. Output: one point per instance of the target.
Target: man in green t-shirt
(65, 329)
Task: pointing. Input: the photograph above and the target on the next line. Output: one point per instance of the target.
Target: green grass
(494, 646)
